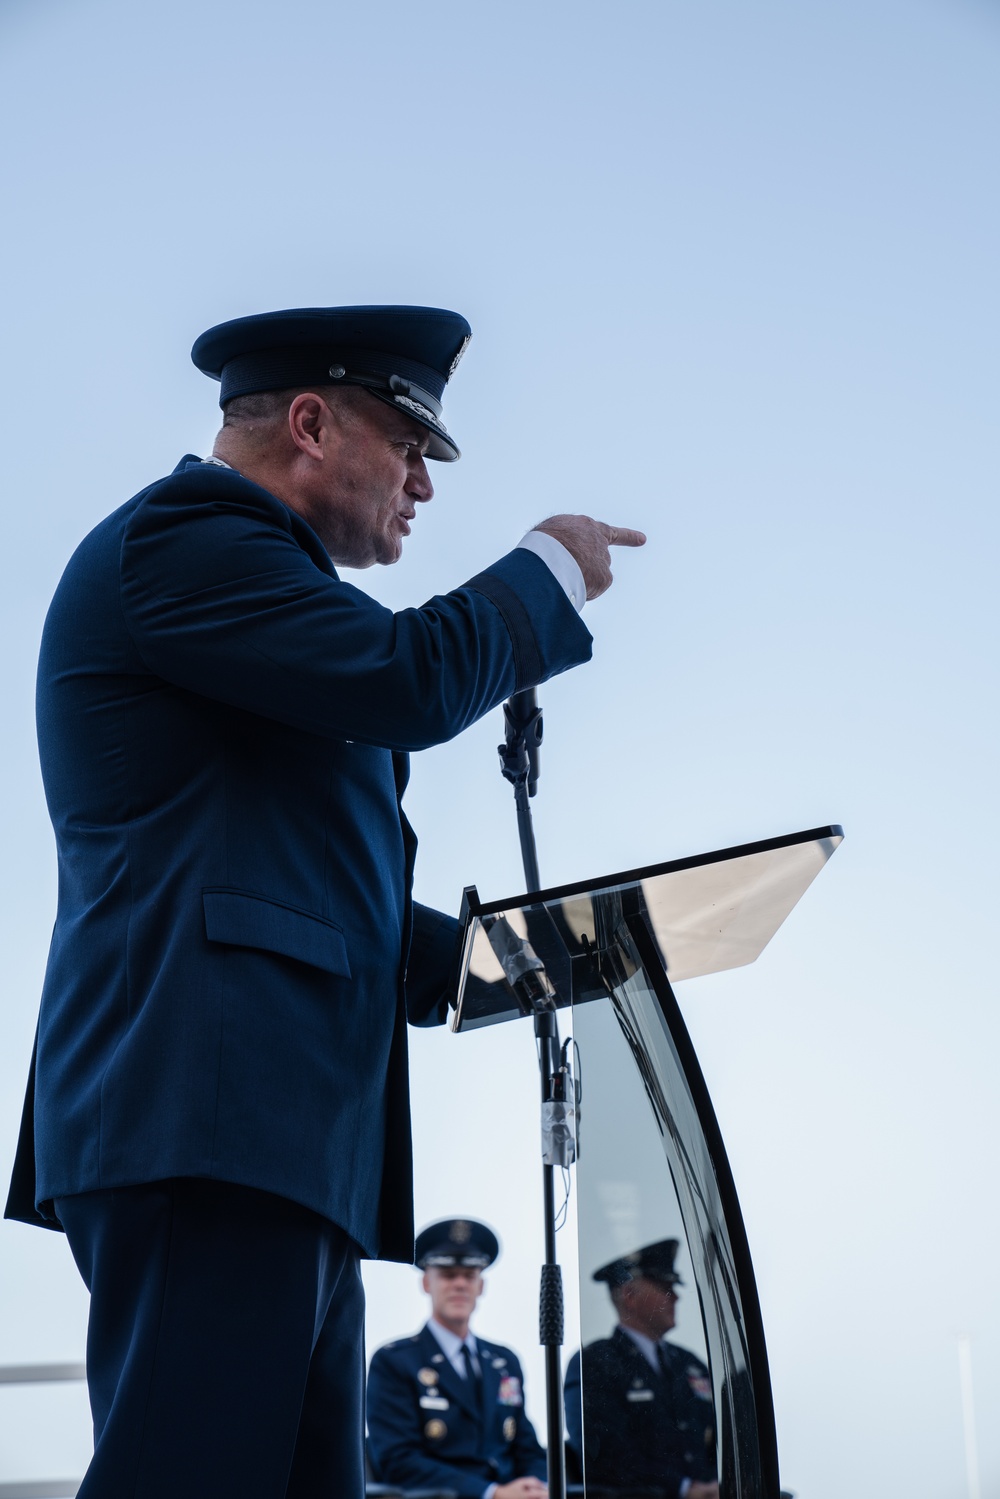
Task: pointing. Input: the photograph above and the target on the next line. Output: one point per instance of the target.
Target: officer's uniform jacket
(640, 1427)
(425, 1426)
(224, 726)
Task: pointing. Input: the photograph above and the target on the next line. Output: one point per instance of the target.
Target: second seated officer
(647, 1418)
(445, 1408)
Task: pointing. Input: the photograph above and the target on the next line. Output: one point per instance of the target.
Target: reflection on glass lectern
(651, 1409)
(638, 1404)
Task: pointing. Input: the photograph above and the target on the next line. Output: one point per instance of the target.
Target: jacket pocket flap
(253, 921)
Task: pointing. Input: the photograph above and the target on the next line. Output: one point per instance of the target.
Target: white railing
(41, 1488)
(22, 1374)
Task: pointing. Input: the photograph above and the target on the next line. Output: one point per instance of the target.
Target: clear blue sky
(732, 275)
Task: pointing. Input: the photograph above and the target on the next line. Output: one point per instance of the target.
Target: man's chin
(390, 552)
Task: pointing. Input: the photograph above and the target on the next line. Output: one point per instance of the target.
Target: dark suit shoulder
(399, 1347)
(602, 1349)
(497, 1352)
(682, 1358)
(195, 482)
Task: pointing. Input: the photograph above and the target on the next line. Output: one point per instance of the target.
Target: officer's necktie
(661, 1359)
(473, 1375)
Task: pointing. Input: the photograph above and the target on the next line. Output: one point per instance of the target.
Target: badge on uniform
(640, 1394)
(509, 1429)
(435, 1430)
(699, 1384)
(510, 1390)
(427, 1376)
(433, 1403)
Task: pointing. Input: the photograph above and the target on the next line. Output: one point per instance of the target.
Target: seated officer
(647, 1418)
(445, 1408)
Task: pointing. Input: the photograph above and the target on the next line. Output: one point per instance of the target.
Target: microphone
(522, 967)
(523, 738)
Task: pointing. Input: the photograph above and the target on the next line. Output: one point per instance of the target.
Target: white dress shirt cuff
(561, 564)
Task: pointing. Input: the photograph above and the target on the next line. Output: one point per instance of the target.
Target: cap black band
(281, 369)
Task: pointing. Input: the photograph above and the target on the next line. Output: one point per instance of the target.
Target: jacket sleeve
(395, 1449)
(227, 592)
(430, 967)
(432, 970)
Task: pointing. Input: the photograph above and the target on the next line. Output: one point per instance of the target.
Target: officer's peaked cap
(403, 355)
(655, 1261)
(456, 1241)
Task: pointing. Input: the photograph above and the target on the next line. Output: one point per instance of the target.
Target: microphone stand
(519, 765)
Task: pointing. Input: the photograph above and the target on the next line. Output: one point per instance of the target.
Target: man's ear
(426, 1282)
(309, 424)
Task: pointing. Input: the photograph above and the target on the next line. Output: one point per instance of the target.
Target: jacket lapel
(491, 1379)
(635, 1361)
(453, 1385)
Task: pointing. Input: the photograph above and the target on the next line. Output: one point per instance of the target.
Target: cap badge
(420, 411)
(460, 1231)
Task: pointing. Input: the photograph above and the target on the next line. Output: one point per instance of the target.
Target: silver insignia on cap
(421, 411)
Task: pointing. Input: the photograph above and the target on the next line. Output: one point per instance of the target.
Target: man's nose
(418, 485)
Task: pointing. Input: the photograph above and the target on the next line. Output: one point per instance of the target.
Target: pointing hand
(590, 541)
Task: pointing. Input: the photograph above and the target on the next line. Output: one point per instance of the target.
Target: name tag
(639, 1395)
(433, 1403)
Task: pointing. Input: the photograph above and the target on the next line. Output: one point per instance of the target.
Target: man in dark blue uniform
(647, 1418)
(217, 1109)
(446, 1408)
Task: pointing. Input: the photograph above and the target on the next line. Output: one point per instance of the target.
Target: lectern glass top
(711, 912)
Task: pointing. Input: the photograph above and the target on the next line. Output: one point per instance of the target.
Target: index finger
(622, 536)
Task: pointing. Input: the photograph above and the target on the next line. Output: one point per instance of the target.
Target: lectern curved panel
(652, 1171)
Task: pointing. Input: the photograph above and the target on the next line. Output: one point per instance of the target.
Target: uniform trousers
(225, 1352)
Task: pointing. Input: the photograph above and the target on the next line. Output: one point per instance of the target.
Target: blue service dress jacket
(428, 1428)
(636, 1427)
(224, 726)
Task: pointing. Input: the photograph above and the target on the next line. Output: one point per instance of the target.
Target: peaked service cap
(456, 1241)
(655, 1261)
(404, 356)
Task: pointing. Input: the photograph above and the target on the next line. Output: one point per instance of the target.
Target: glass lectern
(651, 1167)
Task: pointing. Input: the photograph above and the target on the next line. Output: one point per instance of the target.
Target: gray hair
(265, 407)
